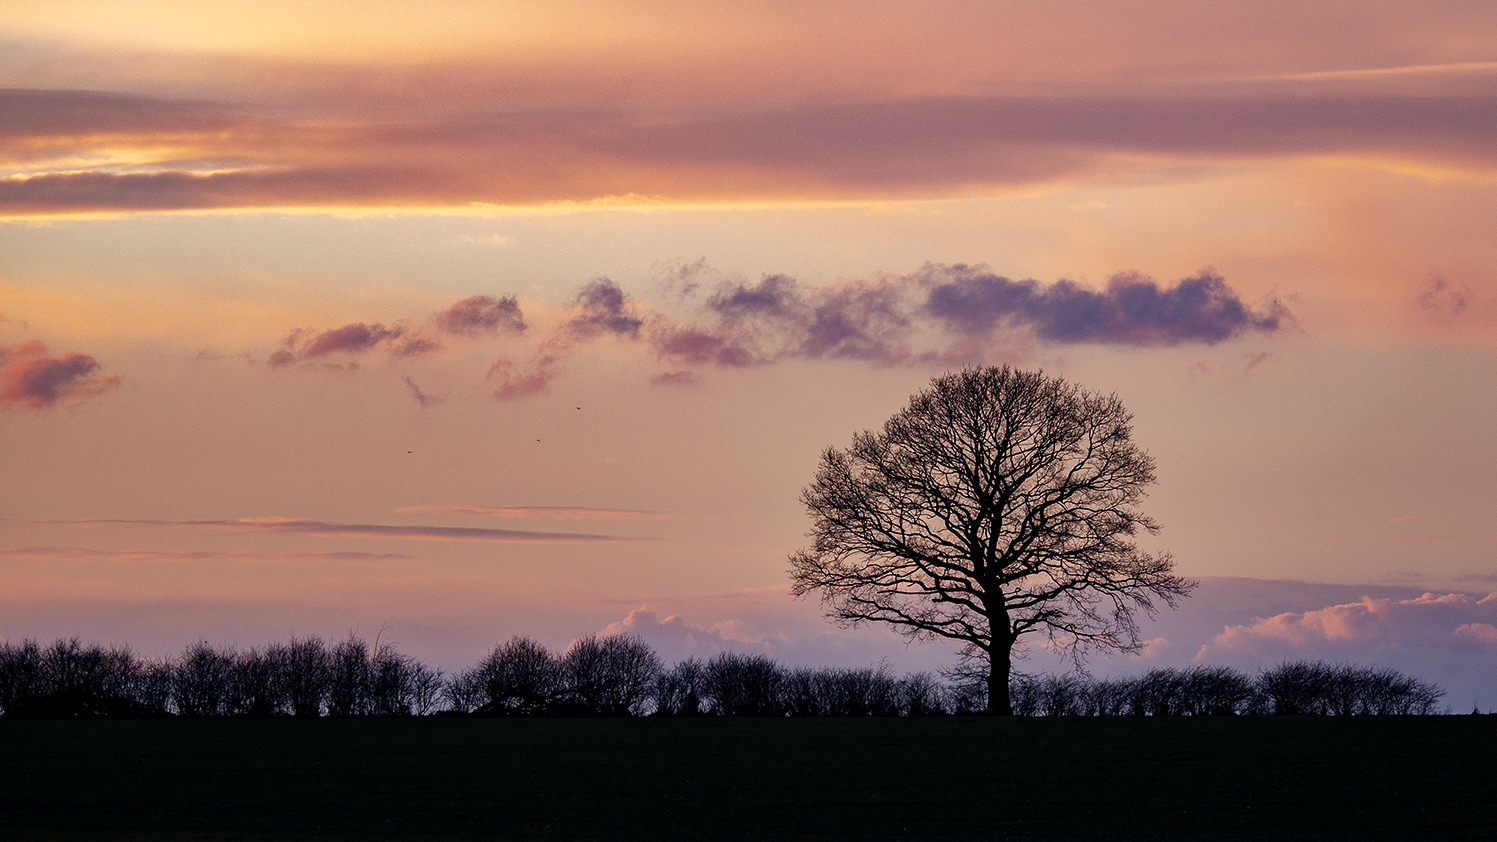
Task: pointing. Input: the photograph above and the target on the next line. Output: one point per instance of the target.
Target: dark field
(708, 779)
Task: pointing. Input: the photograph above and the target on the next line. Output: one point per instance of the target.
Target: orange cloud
(79, 151)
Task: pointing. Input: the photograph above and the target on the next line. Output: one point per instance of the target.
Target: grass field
(710, 779)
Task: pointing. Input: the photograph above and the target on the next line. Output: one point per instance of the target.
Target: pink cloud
(86, 554)
(672, 637)
(513, 384)
(31, 377)
(295, 526)
(1450, 637)
(1485, 632)
(540, 512)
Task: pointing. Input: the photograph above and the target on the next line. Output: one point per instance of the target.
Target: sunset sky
(449, 321)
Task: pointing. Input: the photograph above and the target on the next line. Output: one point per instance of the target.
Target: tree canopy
(998, 504)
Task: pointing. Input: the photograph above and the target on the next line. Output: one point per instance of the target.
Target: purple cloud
(602, 307)
(940, 314)
(1443, 300)
(881, 321)
(778, 319)
(483, 314)
(351, 340)
(775, 296)
(354, 339)
(859, 320)
(31, 377)
(1132, 310)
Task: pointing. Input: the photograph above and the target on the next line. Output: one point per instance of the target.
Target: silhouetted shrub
(255, 685)
(921, 694)
(426, 689)
(742, 685)
(520, 677)
(349, 679)
(69, 680)
(622, 676)
(1318, 688)
(200, 679)
(464, 691)
(679, 690)
(306, 670)
(608, 676)
(20, 674)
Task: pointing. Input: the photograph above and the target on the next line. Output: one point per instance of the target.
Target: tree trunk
(999, 667)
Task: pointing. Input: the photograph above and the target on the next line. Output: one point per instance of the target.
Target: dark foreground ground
(917, 779)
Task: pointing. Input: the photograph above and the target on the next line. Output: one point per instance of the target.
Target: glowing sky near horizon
(323, 315)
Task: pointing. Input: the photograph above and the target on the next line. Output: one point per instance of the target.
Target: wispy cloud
(1442, 300)
(674, 378)
(1451, 68)
(475, 316)
(294, 526)
(32, 377)
(86, 554)
(422, 398)
(601, 308)
(540, 512)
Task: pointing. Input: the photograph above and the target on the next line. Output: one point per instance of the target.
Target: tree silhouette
(743, 685)
(679, 690)
(609, 676)
(520, 677)
(997, 504)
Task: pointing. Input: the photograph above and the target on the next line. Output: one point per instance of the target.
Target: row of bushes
(1298, 688)
(623, 676)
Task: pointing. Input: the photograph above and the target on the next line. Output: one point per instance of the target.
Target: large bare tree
(998, 504)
